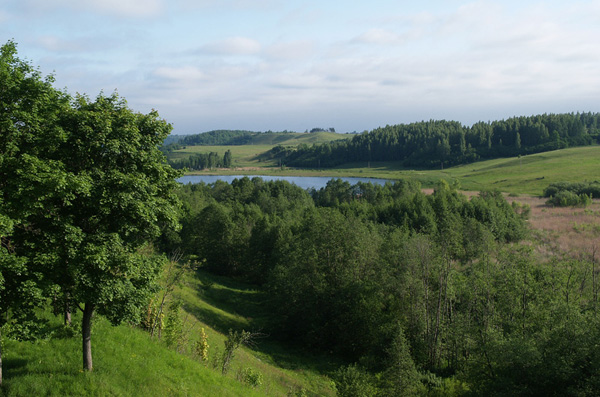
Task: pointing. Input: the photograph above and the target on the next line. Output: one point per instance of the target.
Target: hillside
(243, 137)
(254, 145)
(129, 362)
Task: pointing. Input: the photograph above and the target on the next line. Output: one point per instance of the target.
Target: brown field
(566, 231)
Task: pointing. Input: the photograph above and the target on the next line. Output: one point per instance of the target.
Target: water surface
(305, 182)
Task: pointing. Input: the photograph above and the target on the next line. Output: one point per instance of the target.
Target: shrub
(352, 381)
(250, 377)
(566, 198)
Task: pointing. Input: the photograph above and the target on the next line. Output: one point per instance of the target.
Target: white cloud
(188, 74)
(59, 45)
(119, 8)
(379, 36)
(233, 46)
(125, 8)
(291, 51)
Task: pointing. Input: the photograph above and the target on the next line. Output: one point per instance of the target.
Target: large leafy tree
(88, 190)
(124, 201)
(28, 106)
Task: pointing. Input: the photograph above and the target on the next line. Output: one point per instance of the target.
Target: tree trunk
(67, 309)
(86, 330)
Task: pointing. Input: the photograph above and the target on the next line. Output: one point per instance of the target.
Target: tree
(128, 199)
(87, 189)
(28, 108)
(227, 159)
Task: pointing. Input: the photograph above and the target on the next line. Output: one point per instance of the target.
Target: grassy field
(127, 362)
(246, 155)
(526, 175)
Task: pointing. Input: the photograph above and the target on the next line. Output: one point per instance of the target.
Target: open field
(525, 175)
(564, 231)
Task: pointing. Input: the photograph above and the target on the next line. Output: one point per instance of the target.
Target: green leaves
(84, 191)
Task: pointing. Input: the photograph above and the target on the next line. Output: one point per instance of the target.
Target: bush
(352, 381)
(591, 189)
(567, 198)
(250, 377)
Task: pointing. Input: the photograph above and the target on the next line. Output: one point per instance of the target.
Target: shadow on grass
(237, 306)
(13, 367)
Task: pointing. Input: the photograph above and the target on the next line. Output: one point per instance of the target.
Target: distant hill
(244, 137)
(172, 139)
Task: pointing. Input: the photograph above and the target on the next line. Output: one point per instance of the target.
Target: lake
(305, 182)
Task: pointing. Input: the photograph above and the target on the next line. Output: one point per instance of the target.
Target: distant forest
(433, 144)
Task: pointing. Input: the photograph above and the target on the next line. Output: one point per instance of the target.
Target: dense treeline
(422, 292)
(210, 138)
(213, 138)
(201, 161)
(444, 143)
(219, 137)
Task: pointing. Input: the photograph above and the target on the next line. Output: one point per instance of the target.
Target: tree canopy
(86, 190)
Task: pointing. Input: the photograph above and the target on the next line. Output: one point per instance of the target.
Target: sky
(295, 65)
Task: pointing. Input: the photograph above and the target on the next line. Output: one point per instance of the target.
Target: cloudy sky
(286, 64)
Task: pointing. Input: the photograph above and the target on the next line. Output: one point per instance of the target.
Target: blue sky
(294, 65)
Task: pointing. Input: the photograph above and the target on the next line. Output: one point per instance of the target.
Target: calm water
(305, 182)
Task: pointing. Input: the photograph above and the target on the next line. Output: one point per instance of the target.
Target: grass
(526, 175)
(219, 304)
(246, 155)
(128, 362)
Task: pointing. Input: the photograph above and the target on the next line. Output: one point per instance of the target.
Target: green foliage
(353, 381)
(401, 377)
(422, 290)
(219, 137)
(591, 189)
(200, 161)
(88, 191)
(201, 346)
(566, 198)
(250, 377)
(571, 194)
(234, 340)
(173, 331)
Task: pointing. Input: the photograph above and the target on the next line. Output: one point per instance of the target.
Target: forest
(440, 143)
(419, 293)
(413, 293)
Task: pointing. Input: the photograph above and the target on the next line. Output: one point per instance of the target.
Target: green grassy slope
(127, 362)
(246, 155)
(296, 138)
(220, 304)
(525, 175)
